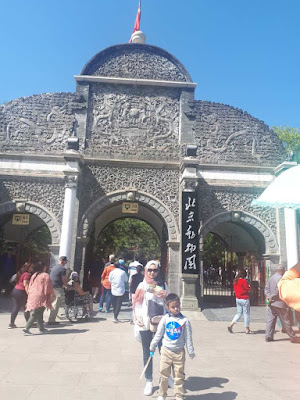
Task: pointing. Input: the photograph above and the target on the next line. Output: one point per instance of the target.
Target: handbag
(154, 321)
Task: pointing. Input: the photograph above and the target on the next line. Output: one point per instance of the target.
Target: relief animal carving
(126, 119)
(216, 129)
(37, 125)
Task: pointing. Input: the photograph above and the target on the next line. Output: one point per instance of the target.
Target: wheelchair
(75, 308)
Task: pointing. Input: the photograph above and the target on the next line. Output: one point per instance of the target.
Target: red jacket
(241, 289)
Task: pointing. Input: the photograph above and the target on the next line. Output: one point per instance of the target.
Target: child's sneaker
(148, 389)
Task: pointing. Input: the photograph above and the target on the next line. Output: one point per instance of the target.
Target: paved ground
(102, 360)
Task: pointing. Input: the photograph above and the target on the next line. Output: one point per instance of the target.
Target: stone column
(80, 256)
(291, 235)
(54, 254)
(189, 299)
(174, 267)
(68, 216)
(189, 232)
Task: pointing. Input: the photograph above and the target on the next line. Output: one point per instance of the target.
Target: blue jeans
(242, 307)
(105, 294)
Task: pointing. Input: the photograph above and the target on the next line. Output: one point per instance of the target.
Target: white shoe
(161, 398)
(171, 382)
(148, 389)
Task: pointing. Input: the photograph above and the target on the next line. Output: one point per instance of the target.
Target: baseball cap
(63, 258)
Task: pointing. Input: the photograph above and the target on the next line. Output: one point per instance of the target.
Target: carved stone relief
(47, 193)
(229, 135)
(41, 123)
(216, 200)
(158, 182)
(145, 120)
(137, 62)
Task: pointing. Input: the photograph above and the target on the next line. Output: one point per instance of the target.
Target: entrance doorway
(227, 247)
(27, 242)
(128, 238)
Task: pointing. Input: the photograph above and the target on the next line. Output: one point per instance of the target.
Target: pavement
(100, 359)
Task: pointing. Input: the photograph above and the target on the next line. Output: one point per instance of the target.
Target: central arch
(151, 210)
(145, 200)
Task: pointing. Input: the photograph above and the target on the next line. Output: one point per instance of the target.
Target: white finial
(138, 37)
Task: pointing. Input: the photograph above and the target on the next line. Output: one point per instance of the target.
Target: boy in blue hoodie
(177, 333)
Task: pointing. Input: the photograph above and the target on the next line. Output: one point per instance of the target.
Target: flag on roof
(137, 21)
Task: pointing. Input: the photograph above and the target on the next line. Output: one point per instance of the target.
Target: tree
(128, 238)
(291, 140)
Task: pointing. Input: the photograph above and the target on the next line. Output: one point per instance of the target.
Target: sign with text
(130, 208)
(190, 244)
(20, 219)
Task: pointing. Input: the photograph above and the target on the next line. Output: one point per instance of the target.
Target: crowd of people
(157, 318)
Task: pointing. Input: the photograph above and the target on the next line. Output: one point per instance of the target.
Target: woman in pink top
(40, 294)
(19, 293)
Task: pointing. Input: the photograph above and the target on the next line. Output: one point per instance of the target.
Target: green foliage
(38, 240)
(128, 238)
(291, 140)
(214, 251)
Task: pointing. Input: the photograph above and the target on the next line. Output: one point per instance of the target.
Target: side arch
(33, 208)
(247, 219)
(116, 197)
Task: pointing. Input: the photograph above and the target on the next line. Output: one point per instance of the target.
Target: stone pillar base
(189, 299)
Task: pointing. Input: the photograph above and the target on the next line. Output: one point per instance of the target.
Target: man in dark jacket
(277, 308)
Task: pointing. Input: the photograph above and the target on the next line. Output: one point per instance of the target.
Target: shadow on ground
(214, 396)
(63, 331)
(196, 383)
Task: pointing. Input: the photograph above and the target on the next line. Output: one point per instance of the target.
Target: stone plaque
(20, 219)
(190, 244)
(130, 208)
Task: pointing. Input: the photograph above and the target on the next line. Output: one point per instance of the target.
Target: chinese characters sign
(189, 233)
(130, 208)
(20, 219)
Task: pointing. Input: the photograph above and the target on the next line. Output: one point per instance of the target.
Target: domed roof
(137, 61)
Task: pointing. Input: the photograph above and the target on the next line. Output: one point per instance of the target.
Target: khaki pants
(59, 301)
(170, 360)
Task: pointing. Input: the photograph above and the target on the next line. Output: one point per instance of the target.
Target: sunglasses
(152, 270)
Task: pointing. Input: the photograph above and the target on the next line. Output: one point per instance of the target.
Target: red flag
(137, 21)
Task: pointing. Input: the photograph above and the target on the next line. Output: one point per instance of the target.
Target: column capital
(71, 181)
(189, 177)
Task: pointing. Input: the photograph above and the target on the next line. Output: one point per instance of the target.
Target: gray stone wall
(97, 181)
(48, 193)
(228, 135)
(214, 200)
(133, 122)
(38, 124)
(137, 61)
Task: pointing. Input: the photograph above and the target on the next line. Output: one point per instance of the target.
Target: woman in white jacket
(148, 302)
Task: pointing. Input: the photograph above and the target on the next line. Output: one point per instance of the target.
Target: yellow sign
(130, 208)
(20, 219)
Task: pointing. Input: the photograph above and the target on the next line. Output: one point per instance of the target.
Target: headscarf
(139, 294)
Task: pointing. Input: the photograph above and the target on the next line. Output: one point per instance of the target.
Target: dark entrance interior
(227, 248)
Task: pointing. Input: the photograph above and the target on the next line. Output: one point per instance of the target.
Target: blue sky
(242, 53)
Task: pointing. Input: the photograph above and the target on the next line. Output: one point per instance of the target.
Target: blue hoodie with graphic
(176, 332)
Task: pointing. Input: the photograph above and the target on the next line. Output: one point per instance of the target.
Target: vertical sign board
(190, 244)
